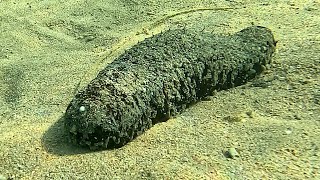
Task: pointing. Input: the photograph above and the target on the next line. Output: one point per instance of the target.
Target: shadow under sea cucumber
(158, 78)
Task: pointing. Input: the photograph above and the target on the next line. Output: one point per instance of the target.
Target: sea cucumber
(161, 76)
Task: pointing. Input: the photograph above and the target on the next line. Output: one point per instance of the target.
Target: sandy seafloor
(48, 47)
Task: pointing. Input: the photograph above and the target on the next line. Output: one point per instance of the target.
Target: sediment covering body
(161, 76)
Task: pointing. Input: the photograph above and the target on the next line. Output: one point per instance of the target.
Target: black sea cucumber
(159, 77)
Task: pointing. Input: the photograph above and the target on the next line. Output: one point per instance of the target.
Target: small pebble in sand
(82, 108)
(240, 116)
(232, 153)
(297, 117)
(288, 131)
(250, 114)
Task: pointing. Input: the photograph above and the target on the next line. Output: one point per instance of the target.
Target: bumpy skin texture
(158, 78)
